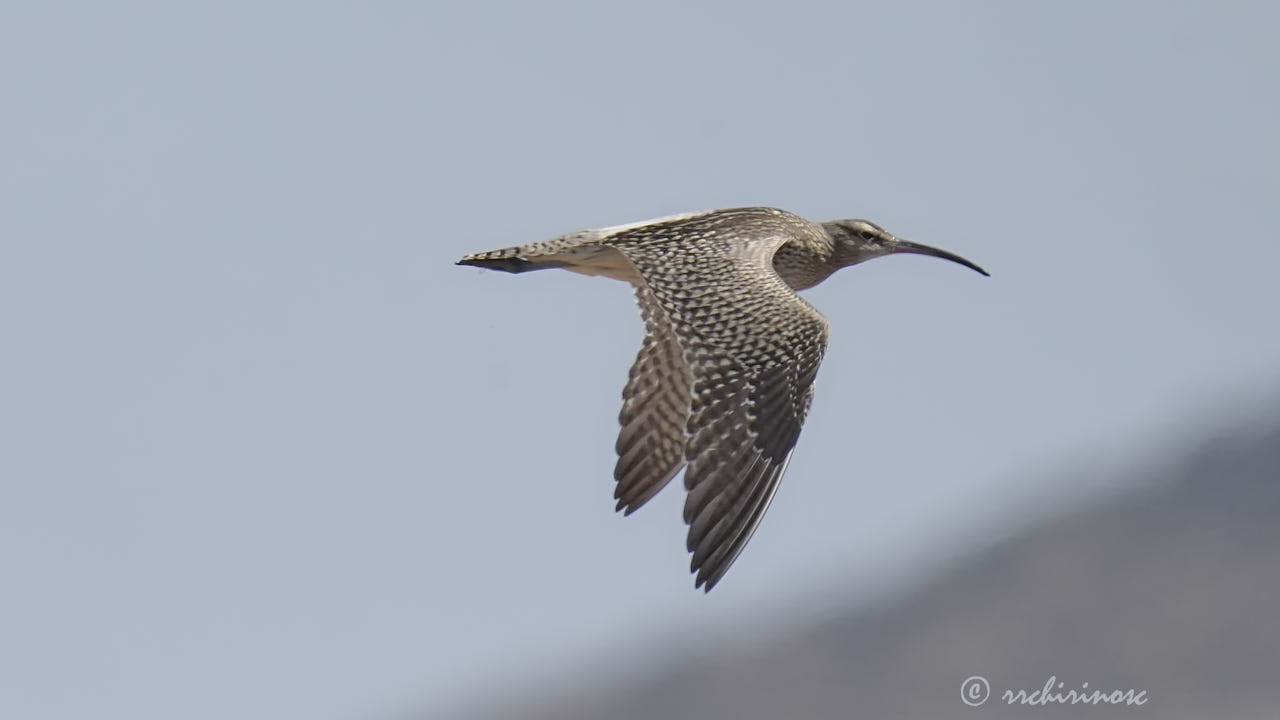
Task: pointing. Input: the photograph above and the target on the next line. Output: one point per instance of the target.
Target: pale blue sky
(267, 453)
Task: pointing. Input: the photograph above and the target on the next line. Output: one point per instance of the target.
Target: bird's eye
(866, 235)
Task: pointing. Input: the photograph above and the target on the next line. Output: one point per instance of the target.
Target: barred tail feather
(512, 260)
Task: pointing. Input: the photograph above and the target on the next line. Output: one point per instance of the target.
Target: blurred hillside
(1173, 589)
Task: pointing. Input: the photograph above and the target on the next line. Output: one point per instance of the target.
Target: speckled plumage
(725, 373)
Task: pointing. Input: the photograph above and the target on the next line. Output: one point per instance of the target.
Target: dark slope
(1174, 590)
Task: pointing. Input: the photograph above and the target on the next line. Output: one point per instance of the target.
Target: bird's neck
(801, 265)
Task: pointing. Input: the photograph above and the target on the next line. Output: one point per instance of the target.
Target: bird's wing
(655, 410)
(752, 347)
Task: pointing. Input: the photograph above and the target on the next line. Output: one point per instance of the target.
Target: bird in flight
(724, 377)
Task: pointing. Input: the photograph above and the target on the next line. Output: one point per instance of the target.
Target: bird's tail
(513, 260)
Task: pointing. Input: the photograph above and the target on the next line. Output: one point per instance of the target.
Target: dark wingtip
(706, 575)
(705, 583)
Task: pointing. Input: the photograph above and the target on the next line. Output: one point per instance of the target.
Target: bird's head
(859, 240)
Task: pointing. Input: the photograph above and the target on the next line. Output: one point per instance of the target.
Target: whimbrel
(724, 377)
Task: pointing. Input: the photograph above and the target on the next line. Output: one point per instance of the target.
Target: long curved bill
(905, 246)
